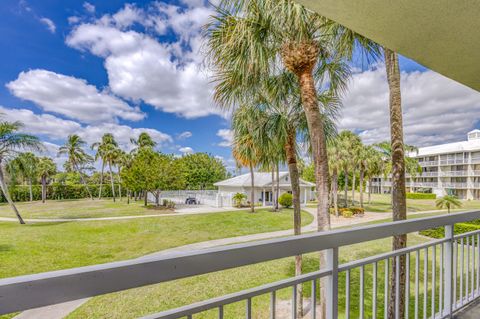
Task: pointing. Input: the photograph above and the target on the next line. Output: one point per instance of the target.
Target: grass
(382, 203)
(80, 208)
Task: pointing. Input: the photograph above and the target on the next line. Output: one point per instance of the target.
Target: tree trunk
(369, 190)
(252, 191)
(335, 191)
(399, 205)
(277, 193)
(6, 193)
(345, 190)
(119, 184)
(111, 180)
(157, 198)
(128, 196)
(83, 181)
(44, 189)
(145, 198)
(273, 187)
(354, 176)
(361, 187)
(101, 180)
(30, 189)
(290, 152)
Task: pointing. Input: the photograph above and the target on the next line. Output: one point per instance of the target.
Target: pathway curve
(60, 311)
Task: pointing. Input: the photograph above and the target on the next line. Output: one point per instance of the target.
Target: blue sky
(91, 67)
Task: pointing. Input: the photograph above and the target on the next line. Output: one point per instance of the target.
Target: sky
(87, 68)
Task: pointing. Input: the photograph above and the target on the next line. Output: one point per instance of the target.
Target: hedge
(421, 196)
(459, 228)
(58, 191)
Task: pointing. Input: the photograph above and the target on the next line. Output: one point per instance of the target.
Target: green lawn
(382, 203)
(81, 208)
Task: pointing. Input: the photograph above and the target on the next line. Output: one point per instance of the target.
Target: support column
(332, 285)
(263, 196)
(448, 277)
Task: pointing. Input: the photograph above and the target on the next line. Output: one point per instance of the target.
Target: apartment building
(452, 168)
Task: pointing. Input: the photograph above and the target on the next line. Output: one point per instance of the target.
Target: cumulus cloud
(58, 129)
(436, 109)
(49, 24)
(184, 135)
(186, 150)
(166, 75)
(227, 137)
(71, 97)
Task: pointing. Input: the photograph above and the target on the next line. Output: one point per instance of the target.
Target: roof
(260, 179)
(457, 147)
(441, 35)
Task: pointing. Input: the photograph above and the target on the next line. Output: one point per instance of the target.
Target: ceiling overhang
(443, 35)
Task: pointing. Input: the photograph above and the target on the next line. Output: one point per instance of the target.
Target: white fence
(203, 197)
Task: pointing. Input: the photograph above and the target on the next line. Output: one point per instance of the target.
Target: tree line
(141, 171)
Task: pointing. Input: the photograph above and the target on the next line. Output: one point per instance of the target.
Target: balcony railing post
(332, 285)
(448, 277)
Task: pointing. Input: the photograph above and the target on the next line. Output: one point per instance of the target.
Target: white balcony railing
(455, 185)
(475, 160)
(476, 172)
(450, 266)
(454, 173)
(428, 163)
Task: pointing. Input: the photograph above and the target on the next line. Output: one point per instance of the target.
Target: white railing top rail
(31, 291)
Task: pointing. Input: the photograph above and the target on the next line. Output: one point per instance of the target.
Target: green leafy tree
(46, 169)
(11, 142)
(77, 157)
(144, 140)
(102, 148)
(286, 200)
(25, 165)
(202, 170)
(308, 173)
(448, 202)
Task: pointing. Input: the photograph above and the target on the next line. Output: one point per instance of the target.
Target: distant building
(452, 168)
(263, 187)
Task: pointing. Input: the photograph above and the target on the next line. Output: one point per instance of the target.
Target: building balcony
(428, 163)
(455, 185)
(435, 263)
(454, 173)
(475, 160)
(476, 185)
(453, 161)
(476, 172)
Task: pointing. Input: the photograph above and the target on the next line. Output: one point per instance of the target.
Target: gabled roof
(260, 179)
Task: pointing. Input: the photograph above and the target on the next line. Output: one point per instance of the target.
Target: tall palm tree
(254, 39)
(101, 147)
(46, 168)
(144, 140)
(246, 149)
(77, 157)
(111, 156)
(11, 142)
(122, 161)
(25, 164)
(335, 165)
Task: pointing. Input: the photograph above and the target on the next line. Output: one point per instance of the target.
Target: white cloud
(49, 24)
(72, 97)
(436, 109)
(73, 19)
(89, 7)
(166, 75)
(186, 150)
(58, 129)
(184, 135)
(227, 137)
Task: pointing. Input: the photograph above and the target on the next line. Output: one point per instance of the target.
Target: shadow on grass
(5, 248)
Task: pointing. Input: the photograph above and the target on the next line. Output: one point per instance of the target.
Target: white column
(305, 195)
(263, 196)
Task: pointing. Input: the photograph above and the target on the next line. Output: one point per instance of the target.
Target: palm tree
(46, 168)
(245, 148)
(123, 160)
(11, 142)
(335, 165)
(252, 40)
(448, 201)
(111, 156)
(77, 157)
(373, 165)
(26, 165)
(101, 147)
(348, 143)
(143, 140)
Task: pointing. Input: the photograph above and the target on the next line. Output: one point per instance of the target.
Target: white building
(452, 168)
(263, 187)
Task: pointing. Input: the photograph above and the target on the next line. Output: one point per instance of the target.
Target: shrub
(238, 199)
(347, 213)
(168, 204)
(421, 196)
(357, 210)
(460, 228)
(286, 200)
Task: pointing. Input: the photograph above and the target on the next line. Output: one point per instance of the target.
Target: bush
(286, 200)
(460, 228)
(347, 213)
(357, 210)
(21, 193)
(238, 199)
(421, 196)
(168, 204)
